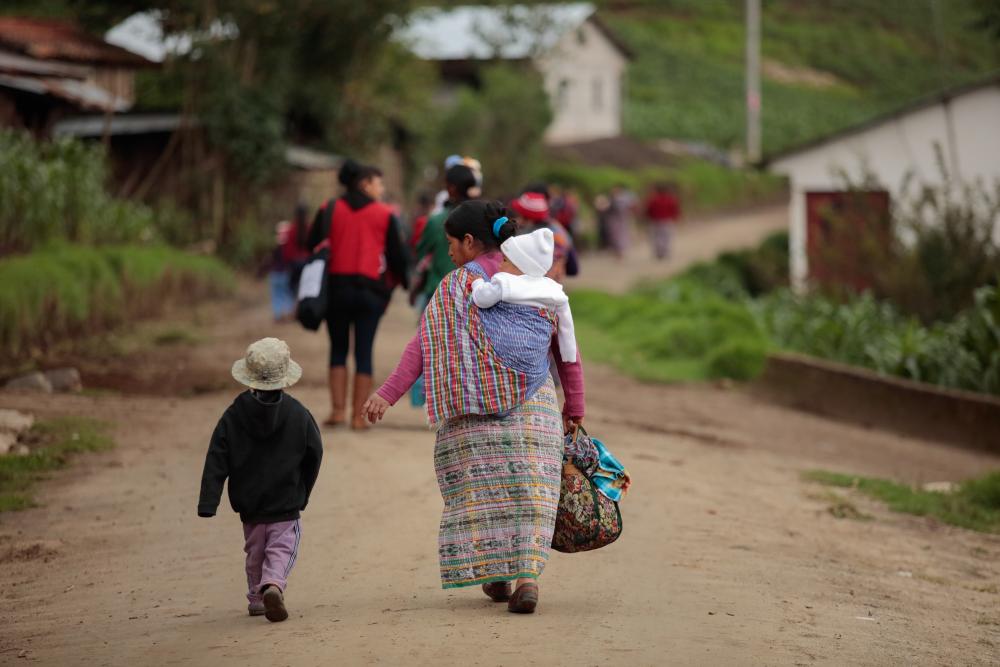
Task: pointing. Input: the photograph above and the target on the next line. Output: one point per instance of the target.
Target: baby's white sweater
(539, 292)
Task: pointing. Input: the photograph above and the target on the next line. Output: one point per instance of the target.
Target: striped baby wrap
(480, 362)
(498, 454)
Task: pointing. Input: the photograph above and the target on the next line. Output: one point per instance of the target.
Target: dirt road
(727, 557)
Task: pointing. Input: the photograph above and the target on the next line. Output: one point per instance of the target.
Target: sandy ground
(727, 556)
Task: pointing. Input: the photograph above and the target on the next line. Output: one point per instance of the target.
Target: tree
(501, 124)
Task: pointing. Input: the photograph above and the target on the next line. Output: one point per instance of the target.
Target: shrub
(737, 359)
(56, 190)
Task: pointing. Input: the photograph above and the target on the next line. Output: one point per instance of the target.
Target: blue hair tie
(498, 225)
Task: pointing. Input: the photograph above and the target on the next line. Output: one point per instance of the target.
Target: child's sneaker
(256, 609)
(274, 605)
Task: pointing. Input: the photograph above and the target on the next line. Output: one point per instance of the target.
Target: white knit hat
(532, 253)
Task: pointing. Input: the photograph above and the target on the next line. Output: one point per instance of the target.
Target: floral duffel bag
(588, 518)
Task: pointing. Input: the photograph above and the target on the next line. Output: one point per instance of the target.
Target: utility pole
(753, 81)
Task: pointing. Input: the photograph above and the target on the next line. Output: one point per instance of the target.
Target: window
(562, 94)
(597, 94)
(581, 36)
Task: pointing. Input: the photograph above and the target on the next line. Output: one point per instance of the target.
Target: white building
(581, 61)
(964, 122)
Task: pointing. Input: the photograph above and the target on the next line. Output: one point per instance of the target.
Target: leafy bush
(863, 331)
(930, 256)
(55, 190)
(69, 290)
(501, 123)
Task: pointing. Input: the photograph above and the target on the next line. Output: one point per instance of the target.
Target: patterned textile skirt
(499, 477)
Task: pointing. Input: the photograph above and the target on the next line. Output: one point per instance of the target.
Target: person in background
(279, 276)
(289, 254)
(532, 212)
(295, 251)
(367, 258)
(602, 206)
(621, 213)
(424, 205)
(663, 210)
(564, 206)
(433, 260)
(432, 256)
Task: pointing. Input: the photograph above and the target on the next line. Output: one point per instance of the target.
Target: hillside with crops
(826, 65)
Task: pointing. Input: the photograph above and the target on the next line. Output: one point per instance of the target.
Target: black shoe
(274, 605)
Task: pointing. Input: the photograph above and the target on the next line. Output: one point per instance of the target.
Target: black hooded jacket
(271, 454)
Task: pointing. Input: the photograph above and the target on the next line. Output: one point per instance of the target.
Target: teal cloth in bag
(609, 470)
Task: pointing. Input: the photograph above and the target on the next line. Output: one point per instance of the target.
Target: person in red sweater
(367, 259)
(663, 210)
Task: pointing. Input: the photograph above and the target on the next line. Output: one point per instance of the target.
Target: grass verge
(72, 291)
(53, 442)
(975, 504)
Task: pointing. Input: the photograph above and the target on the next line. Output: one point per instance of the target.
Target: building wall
(583, 76)
(967, 129)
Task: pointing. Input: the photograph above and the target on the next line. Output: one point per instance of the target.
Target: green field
(827, 64)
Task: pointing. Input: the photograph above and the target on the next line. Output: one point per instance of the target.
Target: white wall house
(963, 122)
(580, 60)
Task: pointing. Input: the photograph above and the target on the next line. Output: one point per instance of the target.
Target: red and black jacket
(366, 246)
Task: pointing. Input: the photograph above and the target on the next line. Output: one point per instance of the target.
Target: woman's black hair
(352, 173)
(478, 219)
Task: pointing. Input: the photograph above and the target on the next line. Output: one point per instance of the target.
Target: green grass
(974, 505)
(676, 331)
(64, 290)
(688, 76)
(53, 443)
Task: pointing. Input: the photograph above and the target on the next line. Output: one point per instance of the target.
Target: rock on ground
(32, 382)
(14, 421)
(65, 379)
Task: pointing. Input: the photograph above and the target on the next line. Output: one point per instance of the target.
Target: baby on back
(521, 280)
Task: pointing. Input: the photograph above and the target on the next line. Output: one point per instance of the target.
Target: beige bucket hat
(267, 365)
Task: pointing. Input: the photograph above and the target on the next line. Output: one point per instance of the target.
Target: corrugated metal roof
(81, 93)
(94, 126)
(12, 63)
(483, 32)
(48, 39)
(310, 159)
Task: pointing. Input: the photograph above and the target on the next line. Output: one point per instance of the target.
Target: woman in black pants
(367, 258)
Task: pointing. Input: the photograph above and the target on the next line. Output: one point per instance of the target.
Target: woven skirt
(499, 477)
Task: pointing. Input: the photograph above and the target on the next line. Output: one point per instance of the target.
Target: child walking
(521, 280)
(269, 447)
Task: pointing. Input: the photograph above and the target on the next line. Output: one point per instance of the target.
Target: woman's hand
(374, 408)
(570, 423)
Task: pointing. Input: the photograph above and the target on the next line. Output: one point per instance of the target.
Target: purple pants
(271, 551)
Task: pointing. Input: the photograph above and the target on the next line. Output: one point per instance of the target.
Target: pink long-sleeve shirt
(411, 364)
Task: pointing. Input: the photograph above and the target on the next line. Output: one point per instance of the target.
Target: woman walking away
(366, 255)
(498, 454)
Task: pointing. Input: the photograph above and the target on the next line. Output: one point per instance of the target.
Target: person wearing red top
(663, 210)
(424, 205)
(367, 259)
